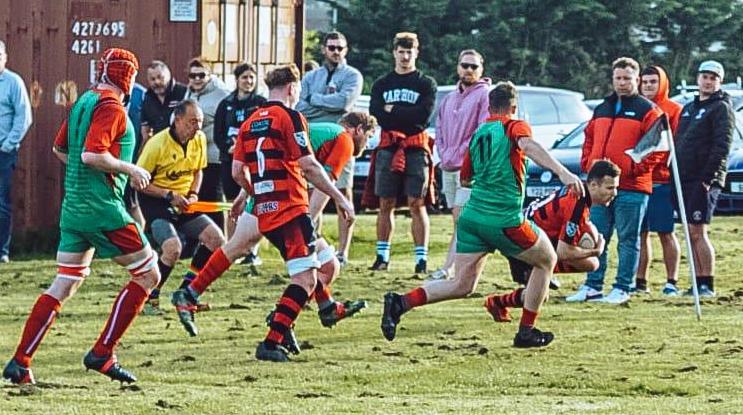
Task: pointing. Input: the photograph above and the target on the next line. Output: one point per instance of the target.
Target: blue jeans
(7, 165)
(625, 214)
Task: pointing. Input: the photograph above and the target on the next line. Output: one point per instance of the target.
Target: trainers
(439, 274)
(185, 305)
(500, 314)
(152, 307)
(343, 261)
(532, 338)
(271, 352)
(421, 266)
(18, 374)
(337, 311)
(585, 293)
(704, 292)
(670, 290)
(379, 264)
(4, 259)
(109, 366)
(555, 284)
(290, 341)
(616, 296)
(252, 259)
(393, 309)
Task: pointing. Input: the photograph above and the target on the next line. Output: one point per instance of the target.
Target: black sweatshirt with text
(412, 96)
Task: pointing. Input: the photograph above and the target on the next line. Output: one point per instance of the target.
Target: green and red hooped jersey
(496, 167)
(93, 199)
(332, 146)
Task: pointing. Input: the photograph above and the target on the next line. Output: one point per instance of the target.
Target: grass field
(650, 356)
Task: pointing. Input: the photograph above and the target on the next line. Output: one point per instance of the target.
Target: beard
(467, 80)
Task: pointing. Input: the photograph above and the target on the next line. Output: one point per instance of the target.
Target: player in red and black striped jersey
(564, 217)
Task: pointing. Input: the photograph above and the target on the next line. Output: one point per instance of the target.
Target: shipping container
(53, 45)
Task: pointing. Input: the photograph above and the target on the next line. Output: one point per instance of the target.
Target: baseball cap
(712, 67)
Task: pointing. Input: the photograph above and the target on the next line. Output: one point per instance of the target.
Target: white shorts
(451, 187)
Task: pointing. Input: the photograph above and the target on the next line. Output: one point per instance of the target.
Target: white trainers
(616, 297)
(585, 293)
(439, 274)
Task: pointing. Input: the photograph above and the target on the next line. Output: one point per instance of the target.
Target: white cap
(712, 67)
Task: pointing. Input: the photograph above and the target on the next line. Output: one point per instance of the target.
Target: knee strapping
(76, 272)
(138, 269)
(326, 255)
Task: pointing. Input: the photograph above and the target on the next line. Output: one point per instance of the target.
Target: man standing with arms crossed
(618, 124)
(495, 167)
(96, 143)
(705, 133)
(402, 101)
(328, 93)
(654, 85)
(457, 118)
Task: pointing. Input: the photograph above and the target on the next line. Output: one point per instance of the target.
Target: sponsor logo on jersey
(260, 126)
(266, 207)
(301, 138)
(571, 229)
(263, 187)
(175, 175)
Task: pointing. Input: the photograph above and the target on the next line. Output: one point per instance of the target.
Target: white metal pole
(682, 213)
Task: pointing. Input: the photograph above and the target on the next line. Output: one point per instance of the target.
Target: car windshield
(574, 139)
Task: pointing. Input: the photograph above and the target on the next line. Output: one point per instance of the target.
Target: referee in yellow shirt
(175, 158)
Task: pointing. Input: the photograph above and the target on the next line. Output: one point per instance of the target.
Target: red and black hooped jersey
(271, 142)
(562, 215)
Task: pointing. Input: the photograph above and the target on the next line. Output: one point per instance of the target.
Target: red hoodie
(672, 109)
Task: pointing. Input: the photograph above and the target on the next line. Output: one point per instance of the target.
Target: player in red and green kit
(495, 168)
(96, 143)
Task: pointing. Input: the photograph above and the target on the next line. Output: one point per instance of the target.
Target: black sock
(287, 310)
(641, 284)
(672, 282)
(165, 271)
(707, 280)
(198, 261)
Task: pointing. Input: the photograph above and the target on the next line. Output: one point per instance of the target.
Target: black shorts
(294, 239)
(130, 197)
(413, 182)
(211, 191)
(699, 202)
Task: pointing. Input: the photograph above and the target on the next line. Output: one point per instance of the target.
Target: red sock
(322, 294)
(415, 298)
(42, 317)
(510, 300)
(528, 318)
(126, 307)
(214, 268)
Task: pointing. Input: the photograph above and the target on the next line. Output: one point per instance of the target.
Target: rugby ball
(589, 238)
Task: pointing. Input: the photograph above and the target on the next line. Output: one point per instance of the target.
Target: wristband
(192, 193)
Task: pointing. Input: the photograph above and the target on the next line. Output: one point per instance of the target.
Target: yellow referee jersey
(171, 164)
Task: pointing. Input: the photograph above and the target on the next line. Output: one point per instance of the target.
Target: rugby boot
(185, 305)
(555, 284)
(337, 311)
(290, 341)
(108, 366)
(379, 264)
(18, 374)
(421, 267)
(526, 338)
(393, 309)
(271, 352)
(152, 307)
(500, 314)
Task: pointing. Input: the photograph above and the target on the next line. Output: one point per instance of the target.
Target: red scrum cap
(118, 67)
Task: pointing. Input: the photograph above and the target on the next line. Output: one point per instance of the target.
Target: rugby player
(495, 168)
(96, 142)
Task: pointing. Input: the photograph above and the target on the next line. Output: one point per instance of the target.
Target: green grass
(651, 356)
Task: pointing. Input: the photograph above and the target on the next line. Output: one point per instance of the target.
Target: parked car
(541, 182)
(551, 112)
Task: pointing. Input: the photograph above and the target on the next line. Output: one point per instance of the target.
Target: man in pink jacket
(458, 116)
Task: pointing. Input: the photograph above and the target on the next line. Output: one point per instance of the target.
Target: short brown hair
(333, 35)
(358, 118)
(625, 62)
(405, 40)
(471, 52)
(282, 75)
(503, 97)
(601, 169)
(244, 67)
(197, 62)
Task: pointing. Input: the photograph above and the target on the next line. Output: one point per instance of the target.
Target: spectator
(15, 120)
(176, 157)
(705, 133)
(659, 216)
(309, 66)
(403, 102)
(163, 94)
(328, 93)
(618, 124)
(208, 91)
(458, 116)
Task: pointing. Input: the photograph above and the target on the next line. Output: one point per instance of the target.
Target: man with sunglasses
(457, 118)
(328, 93)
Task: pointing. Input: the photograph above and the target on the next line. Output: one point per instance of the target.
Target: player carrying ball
(495, 167)
(96, 142)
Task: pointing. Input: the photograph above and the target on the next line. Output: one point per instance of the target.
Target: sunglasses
(472, 66)
(197, 75)
(334, 48)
